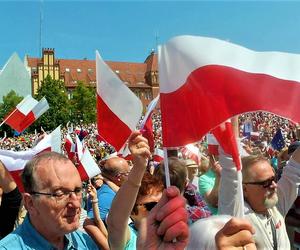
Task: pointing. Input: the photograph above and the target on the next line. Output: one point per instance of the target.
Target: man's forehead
(51, 169)
(117, 162)
(261, 168)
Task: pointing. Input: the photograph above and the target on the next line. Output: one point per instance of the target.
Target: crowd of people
(130, 204)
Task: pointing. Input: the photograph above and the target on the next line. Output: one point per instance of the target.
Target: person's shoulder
(106, 189)
(83, 240)
(12, 241)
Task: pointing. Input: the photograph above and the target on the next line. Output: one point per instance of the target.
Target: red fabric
(83, 174)
(213, 149)
(68, 147)
(110, 127)
(147, 132)
(212, 94)
(227, 141)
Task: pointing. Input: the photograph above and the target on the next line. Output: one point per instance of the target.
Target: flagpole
(8, 117)
(166, 164)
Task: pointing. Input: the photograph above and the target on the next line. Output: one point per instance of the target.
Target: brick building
(141, 78)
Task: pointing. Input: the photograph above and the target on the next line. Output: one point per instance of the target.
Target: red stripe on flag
(14, 119)
(218, 93)
(110, 127)
(16, 175)
(29, 119)
(83, 174)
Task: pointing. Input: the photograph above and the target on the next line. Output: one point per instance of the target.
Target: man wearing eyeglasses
(52, 197)
(266, 202)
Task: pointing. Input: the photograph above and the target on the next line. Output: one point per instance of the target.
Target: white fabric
(116, 95)
(202, 51)
(90, 166)
(27, 104)
(40, 108)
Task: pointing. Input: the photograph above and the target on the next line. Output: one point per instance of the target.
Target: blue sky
(128, 30)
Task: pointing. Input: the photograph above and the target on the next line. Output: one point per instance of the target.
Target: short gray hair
(27, 175)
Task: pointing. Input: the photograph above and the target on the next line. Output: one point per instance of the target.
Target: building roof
(14, 76)
(133, 74)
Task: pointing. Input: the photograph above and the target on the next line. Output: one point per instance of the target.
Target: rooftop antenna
(41, 26)
(156, 40)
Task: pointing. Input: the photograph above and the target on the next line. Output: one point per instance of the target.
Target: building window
(90, 70)
(117, 71)
(67, 70)
(79, 70)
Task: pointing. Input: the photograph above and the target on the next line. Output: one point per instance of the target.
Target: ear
(29, 203)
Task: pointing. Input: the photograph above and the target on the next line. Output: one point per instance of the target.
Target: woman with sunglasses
(135, 198)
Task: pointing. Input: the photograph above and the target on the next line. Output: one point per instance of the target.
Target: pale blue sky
(127, 30)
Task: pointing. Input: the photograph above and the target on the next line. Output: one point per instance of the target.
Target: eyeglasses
(61, 196)
(149, 205)
(265, 184)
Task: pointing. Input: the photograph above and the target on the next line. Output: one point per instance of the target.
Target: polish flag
(16, 161)
(146, 124)
(158, 155)
(225, 136)
(212, 144)
(87, 167)
(147, 132)
(205, 81)
(26, 112)
(190, 151)
(70, 147)
(118, 108)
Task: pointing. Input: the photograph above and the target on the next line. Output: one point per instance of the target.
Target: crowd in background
(263, 128)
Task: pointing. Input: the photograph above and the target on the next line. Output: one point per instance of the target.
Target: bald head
(115, 165)
(116, 169)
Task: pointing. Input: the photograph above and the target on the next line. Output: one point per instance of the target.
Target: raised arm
(118, 229)
(7, 183)
(97, 220)
(289, 182)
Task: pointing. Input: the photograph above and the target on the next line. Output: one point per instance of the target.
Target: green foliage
(59, 105)
(83, 104)
(10, 101)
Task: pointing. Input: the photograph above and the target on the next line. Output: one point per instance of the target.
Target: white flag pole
(166, 165)
(8, 117)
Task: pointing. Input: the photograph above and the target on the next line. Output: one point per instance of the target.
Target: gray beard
(272, 201)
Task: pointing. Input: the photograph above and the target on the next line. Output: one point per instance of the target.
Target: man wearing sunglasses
(266, 202)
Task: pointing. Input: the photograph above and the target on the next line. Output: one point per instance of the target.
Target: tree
(10, 101)
(83, 104)
(59, 105)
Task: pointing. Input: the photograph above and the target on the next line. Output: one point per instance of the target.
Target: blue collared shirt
(26, 237)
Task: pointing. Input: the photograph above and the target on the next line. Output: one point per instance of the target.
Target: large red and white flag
(118, 108)
(26, 112)
(16, 161)
(205, 81)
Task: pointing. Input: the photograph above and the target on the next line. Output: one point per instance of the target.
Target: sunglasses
(149, 205)
(265, 184)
